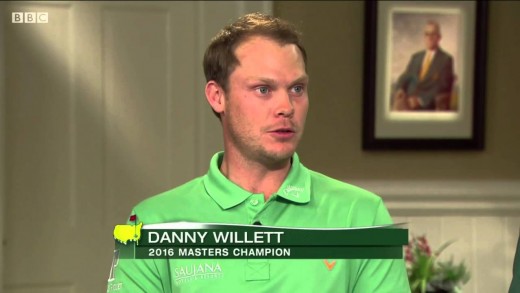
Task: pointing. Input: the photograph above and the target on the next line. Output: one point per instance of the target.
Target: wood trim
(457, 198)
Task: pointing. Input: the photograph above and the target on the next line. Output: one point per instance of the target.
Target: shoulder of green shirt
(333, 187)
(364, 207)
(152, 209)
(324, 191)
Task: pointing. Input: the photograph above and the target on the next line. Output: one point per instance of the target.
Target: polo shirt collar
(295, 188)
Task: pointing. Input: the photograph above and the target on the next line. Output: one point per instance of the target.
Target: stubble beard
(251, 148)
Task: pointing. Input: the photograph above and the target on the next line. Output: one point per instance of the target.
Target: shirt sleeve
(382, 275)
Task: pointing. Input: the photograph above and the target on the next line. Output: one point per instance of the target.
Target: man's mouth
(283, 133)
(284, 130)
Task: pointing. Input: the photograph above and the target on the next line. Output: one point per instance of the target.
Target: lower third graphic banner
(203, 240)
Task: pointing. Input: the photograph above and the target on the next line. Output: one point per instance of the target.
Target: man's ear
(215, 96)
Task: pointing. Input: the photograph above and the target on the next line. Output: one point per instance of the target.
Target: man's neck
(254, 176)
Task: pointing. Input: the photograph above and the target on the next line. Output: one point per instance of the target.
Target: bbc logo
(30, 17)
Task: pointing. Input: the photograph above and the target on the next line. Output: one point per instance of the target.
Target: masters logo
(125, 233)
(194, 272)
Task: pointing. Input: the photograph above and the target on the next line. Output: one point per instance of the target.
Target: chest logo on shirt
(293, 191)
(330, 265)
(194, 272)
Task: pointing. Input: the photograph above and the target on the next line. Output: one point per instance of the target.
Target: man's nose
(285, 106)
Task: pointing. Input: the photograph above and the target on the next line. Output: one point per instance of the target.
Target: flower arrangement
(427, 274)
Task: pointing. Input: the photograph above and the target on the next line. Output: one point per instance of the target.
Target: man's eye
(298, 89)
(263, 90)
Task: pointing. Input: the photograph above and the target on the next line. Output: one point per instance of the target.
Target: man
(257, 86)
(427, 83)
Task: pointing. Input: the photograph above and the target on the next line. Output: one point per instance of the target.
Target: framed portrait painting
(424, 79)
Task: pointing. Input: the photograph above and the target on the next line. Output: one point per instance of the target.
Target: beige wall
(2, 149)
(333, 35)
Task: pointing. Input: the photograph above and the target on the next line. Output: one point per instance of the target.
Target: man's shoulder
(348, 204)
(418, 54)
(332, 188)
(165, 202)
(444, 54)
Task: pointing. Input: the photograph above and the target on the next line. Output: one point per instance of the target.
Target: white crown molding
(450, 197)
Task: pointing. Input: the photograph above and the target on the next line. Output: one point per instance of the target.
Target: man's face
(266, 102)
(432, 37)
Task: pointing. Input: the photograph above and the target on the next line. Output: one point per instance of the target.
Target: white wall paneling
(39, 181)
(104, 108)
(482, 216)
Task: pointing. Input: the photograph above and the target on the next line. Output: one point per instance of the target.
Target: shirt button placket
(255, 204)
(256, 269)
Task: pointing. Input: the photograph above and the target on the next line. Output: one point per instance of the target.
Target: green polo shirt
(305, 199)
